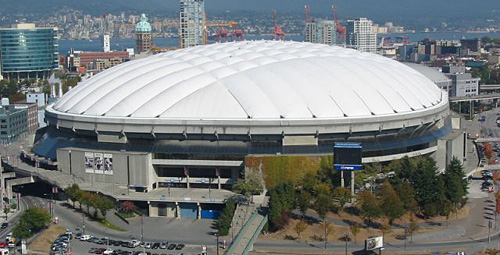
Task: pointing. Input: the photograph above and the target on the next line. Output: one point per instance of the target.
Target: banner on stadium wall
(108, 164)
(89, 162)
(98, 163)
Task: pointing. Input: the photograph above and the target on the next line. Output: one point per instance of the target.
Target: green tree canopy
(342, 195)
(32, 221)
(390, 203)
(455, 182)
(369, 205)
(429, 187)
(407, 196)
(104, 204)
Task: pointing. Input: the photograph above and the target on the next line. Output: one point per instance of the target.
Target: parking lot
(84, 244)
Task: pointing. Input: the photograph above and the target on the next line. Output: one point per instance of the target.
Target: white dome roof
(254, 80)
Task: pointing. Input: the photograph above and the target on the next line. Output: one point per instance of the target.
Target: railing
(240, 234)
(255, 235)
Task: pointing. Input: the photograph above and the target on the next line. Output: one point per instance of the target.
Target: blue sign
(341, 167)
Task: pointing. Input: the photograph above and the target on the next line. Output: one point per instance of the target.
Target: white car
(85, 237)
(108, 251)
(136, 243)
(148, 245)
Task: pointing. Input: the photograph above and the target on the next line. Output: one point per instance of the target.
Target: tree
(407, 196)
(32, 221)
(22, 230)
(455, 182)
(429, 187)
(225, 219)
(342, 195)
(300, 227)
(412, 228)
(385, 229)
(282, 200)
(6, 210)
(404, 169)
(355, 228)
(90, 199)
(128, 207)
(328, 227)
(304, 201)
(492, 251)
(448, 208)
(309, 181)
(251, 185)
(497, 203)
(322, 205)
(390, 203)
(369, 205)
(104, 204)
(488, 150)
(73, 192)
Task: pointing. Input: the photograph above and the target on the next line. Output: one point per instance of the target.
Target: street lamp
(347, 236)
(217, 234)
(83, 223)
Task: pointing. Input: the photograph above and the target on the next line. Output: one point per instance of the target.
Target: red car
(3, 244)
(100, 251)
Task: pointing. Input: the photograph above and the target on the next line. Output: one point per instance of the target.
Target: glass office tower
(28, 52)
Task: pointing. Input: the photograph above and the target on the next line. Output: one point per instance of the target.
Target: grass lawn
(110, 225)
(127, 215)
(44, 241)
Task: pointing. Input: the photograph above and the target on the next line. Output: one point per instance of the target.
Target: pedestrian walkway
(245, 239)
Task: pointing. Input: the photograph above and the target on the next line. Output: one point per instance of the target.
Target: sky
(390, 9)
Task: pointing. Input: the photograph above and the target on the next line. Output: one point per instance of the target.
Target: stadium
(189, 118)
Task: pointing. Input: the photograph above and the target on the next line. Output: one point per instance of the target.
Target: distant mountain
(375, 9)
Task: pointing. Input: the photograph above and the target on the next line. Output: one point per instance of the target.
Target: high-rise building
(13, 122)
(143, 35)
(28, 52)
(360, 35)
(106, 43)
(321, 31)
(191, 22)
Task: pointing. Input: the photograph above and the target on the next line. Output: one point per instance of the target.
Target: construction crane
(278, 32)
(205, 30)
(221, 35)
(308, 13)
(162, 49)
(221, 32)
(340, 29)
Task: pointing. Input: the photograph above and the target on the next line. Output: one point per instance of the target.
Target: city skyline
(453, 13)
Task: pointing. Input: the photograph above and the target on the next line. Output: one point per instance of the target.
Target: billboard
(347, 156)
(98, 163)
(89, 162)
(108, 164)
(374, 243)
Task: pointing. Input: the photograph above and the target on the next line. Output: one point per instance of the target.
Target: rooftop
(254, 80)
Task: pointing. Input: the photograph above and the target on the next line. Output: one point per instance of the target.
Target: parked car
(108, 252)
(147, 245)
(5, 225)
(155, 246)
(172, 246)
(482, 118)
(164, 245)
(180, 246)
(85, 238)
